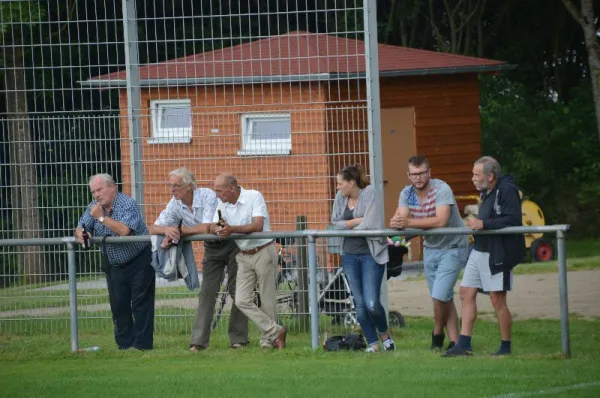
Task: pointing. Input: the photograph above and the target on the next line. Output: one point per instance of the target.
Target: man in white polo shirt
(193, 207)
(244, 211)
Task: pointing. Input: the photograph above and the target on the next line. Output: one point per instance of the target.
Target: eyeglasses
(420, 174)
(174, 186)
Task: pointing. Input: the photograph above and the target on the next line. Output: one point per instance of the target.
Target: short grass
(577, 248)
(42, 365)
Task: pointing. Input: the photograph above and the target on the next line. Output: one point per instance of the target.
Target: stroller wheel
(396, 319)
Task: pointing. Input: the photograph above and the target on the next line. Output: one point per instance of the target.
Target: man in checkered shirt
(429, 203)
(129, 274)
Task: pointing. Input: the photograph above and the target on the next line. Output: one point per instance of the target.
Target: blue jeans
(364, 277)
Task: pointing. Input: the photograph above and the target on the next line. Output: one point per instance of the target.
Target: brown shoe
(196, 348)
(280, 341)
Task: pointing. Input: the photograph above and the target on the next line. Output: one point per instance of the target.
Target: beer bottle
(86, 240)
(221, 222)
(176, 242)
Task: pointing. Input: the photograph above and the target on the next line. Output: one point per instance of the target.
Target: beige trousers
(259, 268)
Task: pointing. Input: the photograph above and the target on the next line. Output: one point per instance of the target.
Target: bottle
(221, 222)
(89, 349)
(176, 242)
(86, 240)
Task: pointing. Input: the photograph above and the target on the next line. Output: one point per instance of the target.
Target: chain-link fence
(275, 92)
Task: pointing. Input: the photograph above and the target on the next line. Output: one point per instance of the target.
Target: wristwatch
(101, 219)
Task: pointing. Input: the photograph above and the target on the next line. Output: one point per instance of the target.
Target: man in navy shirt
(129, 274)
(490, 264)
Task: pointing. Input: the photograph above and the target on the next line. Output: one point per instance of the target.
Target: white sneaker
(371, 349)
(388, 345)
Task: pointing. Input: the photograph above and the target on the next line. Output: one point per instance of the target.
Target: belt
(255, 250)
(454, 246)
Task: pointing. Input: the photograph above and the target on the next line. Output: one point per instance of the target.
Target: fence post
(73, 295)
(134, 102)
(303, 299)
(374, 119)
(564, 297)
(314, 305)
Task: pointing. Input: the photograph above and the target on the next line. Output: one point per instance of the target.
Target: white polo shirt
(249, 204)
(203, 208)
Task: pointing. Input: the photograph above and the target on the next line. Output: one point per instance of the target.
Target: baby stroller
(335, 299)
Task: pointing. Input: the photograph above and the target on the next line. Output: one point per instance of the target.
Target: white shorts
(477, 274)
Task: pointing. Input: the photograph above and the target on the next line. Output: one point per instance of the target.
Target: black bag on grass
(351, 341)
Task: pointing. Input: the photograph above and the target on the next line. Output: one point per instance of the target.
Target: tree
(584, 15)
(25, 217)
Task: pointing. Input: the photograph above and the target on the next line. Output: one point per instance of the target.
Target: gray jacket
(174, 261)
(371, 216)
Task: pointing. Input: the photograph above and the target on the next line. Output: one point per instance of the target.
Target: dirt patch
(533, 296)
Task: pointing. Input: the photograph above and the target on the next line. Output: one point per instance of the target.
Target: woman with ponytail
(363, 259)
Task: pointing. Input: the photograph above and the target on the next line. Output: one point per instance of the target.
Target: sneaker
(371, 349)
(236, 346)
(457, 351)
(388, 345)
(451, 345)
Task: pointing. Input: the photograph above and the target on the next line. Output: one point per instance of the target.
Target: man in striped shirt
(429, 203)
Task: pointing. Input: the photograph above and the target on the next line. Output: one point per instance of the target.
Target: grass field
(35, 358)
(42, 365)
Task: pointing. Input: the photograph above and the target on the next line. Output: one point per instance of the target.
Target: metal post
(303, 277)
(374, 117)
(73, 296)
(564, 297)
(313, 293)
(134, 122)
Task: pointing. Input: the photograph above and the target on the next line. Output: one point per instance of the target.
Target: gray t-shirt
(440, 194)
(354, 245)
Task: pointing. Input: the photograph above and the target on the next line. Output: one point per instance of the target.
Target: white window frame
(159, 135)
(263, 147)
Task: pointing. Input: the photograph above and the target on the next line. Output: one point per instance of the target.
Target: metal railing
(311, 236)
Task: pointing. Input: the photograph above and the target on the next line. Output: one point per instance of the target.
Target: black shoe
(500, 353)
(457, 351)
(451, 345)
(437, 341)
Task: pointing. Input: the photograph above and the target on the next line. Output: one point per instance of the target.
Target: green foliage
(13, 12)
(550, 147)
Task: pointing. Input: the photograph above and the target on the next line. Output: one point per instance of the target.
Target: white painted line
(549, 390)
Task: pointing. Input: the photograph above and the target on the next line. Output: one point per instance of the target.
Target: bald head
(226, 187)
(226, 179)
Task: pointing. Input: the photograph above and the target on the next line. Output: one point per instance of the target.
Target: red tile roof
(304, 53)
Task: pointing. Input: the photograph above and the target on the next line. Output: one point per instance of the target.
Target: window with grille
(171, 121)
(266, 134)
